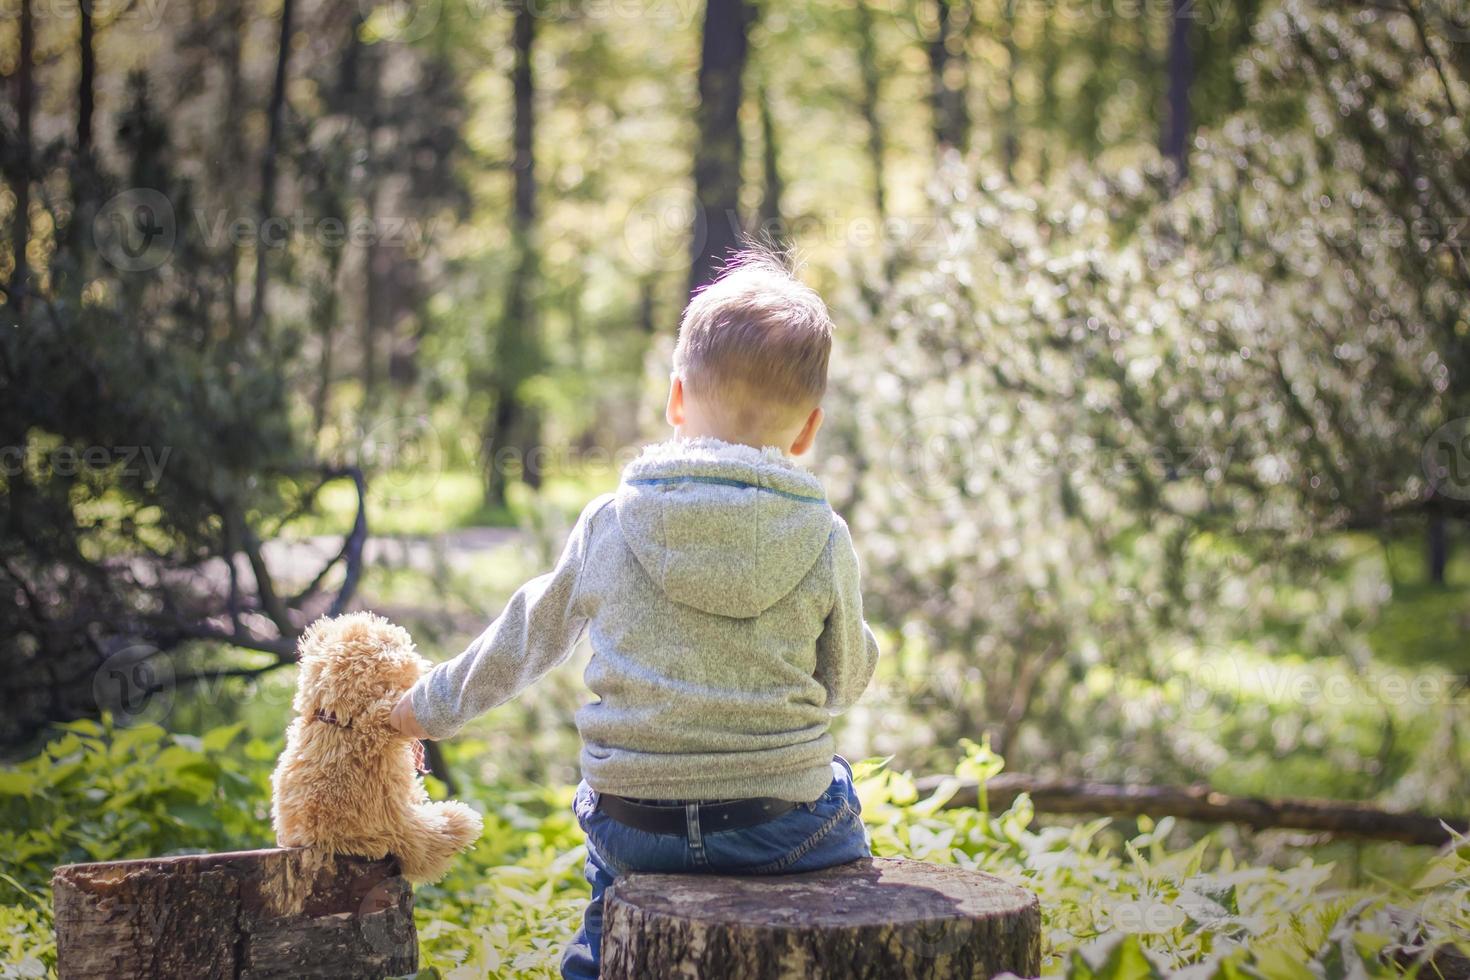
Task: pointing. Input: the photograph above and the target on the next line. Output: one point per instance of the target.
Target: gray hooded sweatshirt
(720, 594)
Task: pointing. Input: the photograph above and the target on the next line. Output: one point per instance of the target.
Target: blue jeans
(815, 835)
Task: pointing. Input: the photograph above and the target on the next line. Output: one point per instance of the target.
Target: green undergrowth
(431, 501)
(1145, 904)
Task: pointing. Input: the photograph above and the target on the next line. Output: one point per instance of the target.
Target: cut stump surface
(883, 918)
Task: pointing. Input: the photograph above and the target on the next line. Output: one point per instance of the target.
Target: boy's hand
(403, 721)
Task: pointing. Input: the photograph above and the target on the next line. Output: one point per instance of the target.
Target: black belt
(671, 818)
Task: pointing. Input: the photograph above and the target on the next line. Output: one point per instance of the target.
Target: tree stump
(275, 913)
(883, 919)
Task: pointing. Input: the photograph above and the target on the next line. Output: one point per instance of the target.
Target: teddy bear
(347, 783)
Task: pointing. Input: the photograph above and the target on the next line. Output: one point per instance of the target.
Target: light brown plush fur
(352, 787)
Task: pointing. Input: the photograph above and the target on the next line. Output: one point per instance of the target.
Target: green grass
(434, 503)
(1424, 623)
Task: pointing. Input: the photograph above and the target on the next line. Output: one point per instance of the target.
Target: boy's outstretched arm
(534, 633)
(847, 651)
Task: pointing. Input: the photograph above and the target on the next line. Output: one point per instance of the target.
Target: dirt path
(297, 560)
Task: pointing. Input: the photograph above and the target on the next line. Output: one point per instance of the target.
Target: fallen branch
(352, 545)
(1205, 805)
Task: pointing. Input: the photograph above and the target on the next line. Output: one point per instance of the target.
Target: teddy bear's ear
(319, 690)
(312, 688)
(328, 696)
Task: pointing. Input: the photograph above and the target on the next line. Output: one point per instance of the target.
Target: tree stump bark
(274, 913)
(884, 919)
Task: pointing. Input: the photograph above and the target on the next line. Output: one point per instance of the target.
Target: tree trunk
(268, 165)
(20, 230)
(1175, 142)
(772, 185)
(872, 92)
(949, 68)
(86, 81)
(1438, 548)
(1010, 149)
(83, 178)
(326, 313)
(513, 425)
(1098, 81)
(1201, 803)
(247, 914)
(362, 66)
(222, 168)
(1049, 57)
(718, 151)
(885, 919)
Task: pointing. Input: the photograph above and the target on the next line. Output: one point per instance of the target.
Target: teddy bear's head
(351, 662)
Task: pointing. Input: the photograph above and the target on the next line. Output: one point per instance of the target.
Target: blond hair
(755, 343)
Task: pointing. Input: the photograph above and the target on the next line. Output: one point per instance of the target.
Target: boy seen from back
(720, 595)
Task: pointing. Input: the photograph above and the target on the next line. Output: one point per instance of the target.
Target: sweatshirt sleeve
(847, 651)
(535, 632)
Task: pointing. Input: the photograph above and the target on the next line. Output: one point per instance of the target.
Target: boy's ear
(808, 434)
(674, 410)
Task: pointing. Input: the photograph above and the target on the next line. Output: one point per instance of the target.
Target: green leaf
(867, 768)
(40, 902)
(14, 783)
(1279, 963)
(1115, 957)
(1441, 872)
(217, 738)
(259, 750)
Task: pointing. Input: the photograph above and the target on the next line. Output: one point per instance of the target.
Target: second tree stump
(885, 919)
